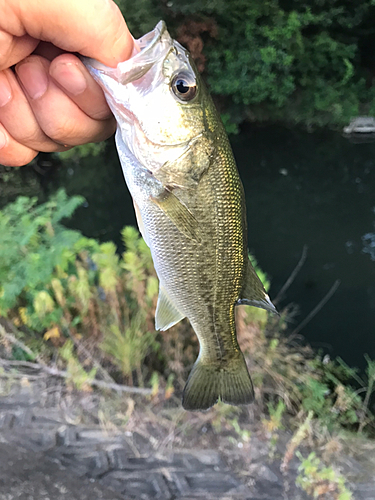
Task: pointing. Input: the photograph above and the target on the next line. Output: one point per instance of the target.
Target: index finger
(94, 28)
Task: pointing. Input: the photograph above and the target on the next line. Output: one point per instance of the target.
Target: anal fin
(166, 314)
(253, 293)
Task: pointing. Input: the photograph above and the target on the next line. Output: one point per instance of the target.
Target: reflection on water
(368, 245)
(368, 241)
(301, 189)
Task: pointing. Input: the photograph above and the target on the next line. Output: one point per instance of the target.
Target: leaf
(53, 333)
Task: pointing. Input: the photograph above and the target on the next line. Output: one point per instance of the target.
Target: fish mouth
(147, 51)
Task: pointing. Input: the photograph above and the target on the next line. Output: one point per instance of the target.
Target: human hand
(50, 102)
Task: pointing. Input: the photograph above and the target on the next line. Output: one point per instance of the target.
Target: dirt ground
(56, 444)
(26, 475)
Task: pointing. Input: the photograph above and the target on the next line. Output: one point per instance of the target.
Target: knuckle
(74, 133)
(101, 113)
(108, 128)
(5, 44)
(31, 137)
(60, 129)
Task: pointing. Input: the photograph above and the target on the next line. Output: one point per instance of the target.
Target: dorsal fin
(166, 314)
(253, 292)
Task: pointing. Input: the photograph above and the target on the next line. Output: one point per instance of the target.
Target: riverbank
(58, 441)
(75, 308)
(302, 189)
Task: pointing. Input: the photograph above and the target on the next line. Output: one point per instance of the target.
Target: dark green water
(302, 189)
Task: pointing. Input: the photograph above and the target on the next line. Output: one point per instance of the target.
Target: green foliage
(318, 480)
(58, 283)
(276, 413)
(62, 289)
(331, 404)
(261, 274)
(274, 423)
(91, 149)
(229, 125)
(287, 60)
(330, 396)
(315, 396)
(77, 375)
(129, 347)
(253, 61)
(365, 416)
(32, 244)
(108, 265)
(303, 379)
(141, 16)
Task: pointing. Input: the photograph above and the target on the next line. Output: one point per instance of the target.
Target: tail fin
(230, 381)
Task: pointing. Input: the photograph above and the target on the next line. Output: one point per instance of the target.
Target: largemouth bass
(190, 207)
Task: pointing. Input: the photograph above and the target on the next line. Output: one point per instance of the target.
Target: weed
(370, 372)
(77, 374)
(318, 480)
(273, 424)
(129, 347)
(303, 431)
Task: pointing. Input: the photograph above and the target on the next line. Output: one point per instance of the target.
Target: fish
(190, 207)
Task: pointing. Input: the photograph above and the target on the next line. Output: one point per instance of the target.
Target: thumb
(94, 28)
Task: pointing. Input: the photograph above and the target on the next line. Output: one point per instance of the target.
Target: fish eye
(184, 87)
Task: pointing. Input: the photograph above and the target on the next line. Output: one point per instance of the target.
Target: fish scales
(221, 226)
(190, 207)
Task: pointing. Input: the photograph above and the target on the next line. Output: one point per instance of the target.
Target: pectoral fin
(166, 314)
(179, 214)
(253, 293)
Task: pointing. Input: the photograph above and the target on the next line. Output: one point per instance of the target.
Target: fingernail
(3, 139)
(33, 77)
(70, 77)
(5, 90)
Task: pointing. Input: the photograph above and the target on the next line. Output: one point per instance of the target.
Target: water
(315, 189)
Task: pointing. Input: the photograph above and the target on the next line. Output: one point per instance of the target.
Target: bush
(289, 60)
(56, 284)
